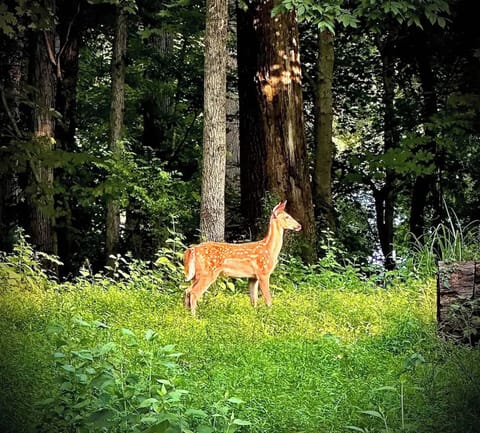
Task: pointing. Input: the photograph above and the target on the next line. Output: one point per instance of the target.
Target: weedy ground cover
(336, 353)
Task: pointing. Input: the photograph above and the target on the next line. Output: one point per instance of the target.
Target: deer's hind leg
(253, 289)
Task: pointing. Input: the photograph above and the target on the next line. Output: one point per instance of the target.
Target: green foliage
(335, 350)
(25, 267)
(463, 322)
(409, 12)
(16, 17)
(448, 242)
(104, 387)
(124, 383)
(326, 15)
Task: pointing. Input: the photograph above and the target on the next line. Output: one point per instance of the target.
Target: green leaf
(83, 354)
(148, 402)
(99, 324)
(101, 418)
(106, 348)
(372, 413)
(237, 421)
(81, 404)
(164, 427)
(168, 348)
(103, 381)
(126, 331)
(205, 429)
(54, 329)
(150, 335)
(68, 367)
(176, 396)
(386, 388)
(235, 400)
(46, 402)
(196, 413)
(81, 322)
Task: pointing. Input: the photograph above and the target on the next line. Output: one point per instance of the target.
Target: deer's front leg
(253, 289)
(197, 289)
(264, 283)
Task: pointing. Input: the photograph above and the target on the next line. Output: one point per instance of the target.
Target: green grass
(320, 360)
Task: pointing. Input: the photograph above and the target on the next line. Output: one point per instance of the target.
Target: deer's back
(237, 260)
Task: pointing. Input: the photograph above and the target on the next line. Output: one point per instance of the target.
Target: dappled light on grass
(334, 351)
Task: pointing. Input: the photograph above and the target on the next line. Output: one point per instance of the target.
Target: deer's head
(286, 221)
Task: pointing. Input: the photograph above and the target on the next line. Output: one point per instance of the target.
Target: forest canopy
(363, 114)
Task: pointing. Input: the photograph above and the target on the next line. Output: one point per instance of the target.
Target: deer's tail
(189, 263)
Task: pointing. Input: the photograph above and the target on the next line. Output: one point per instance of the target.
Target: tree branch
(9, 113)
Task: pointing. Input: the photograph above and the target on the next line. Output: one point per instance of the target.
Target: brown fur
(253, 260)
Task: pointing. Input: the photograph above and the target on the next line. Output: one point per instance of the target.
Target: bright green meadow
(337, 352)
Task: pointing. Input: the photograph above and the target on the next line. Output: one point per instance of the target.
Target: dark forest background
(364, 115)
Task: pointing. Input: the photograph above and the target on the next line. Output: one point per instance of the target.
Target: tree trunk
(385, 198)
(40, 189)
(65, 128)
(323, 112)
(117, 108)
(458, 306)
(212, 208)
(273, 152)
(13, 76)
(425, 184)
(253, 152)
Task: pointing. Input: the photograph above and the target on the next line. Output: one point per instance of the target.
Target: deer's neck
(274, 238)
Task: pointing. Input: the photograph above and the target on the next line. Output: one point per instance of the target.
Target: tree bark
(41, 177)
(117, 108)
(253, 151)
(458, 306)
(212, 208)
(385, 197)
(323, 120)
(273, 151)
(13, 77)
(425, 184)
(66, 105)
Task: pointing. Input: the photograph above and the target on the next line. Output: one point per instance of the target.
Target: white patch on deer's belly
(238, 268)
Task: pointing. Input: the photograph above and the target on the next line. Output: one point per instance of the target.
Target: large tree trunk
(13, 76)
(273, 152)
(385, 197)
(253, 148)
(323, 111)
(40, 189)
(117, 108)
(212, 209)
(65, 128)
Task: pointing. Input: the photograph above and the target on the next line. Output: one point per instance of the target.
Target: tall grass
(335, 353)
(447, 242)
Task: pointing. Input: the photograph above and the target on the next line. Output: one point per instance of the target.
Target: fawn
(256, 261)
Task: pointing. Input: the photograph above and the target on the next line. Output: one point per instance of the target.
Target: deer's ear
(279, 207)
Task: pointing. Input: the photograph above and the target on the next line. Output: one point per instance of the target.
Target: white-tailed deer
(253, 260)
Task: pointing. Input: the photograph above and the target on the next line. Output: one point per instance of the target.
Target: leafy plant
(126, 383)
(25, 265)
(447, 242)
